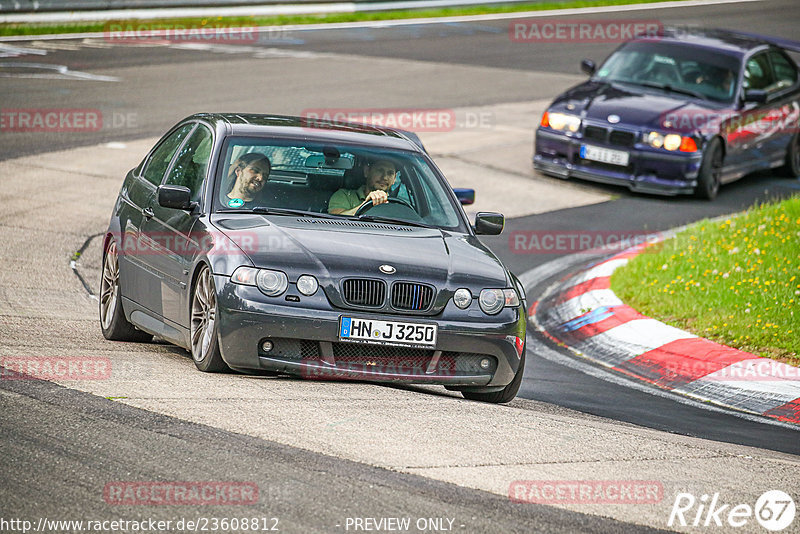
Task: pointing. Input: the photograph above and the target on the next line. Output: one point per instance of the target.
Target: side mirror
(465, 196)
(588, 66)
(488, 223)
(758, 96)
(175, 196)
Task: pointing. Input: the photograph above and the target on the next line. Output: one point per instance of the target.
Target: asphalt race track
(324, 452)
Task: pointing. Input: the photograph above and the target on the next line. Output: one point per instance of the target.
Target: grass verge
(736, 282)
(9, 29)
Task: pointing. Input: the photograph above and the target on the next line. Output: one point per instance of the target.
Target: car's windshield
(332, 180)
(686, 69)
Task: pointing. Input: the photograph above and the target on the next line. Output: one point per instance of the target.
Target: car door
(170, 230)
(784, 95)
(753, 135)
(136, 196)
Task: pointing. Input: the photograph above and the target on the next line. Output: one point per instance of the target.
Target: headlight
(564, 122)
(655, 139)
(672, 141)
(494, 300)
(271, 283)
(245, 276)
(307, 285)
(462, 297)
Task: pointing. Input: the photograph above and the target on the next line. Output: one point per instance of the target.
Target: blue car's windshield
(332, 180)
(686, 69)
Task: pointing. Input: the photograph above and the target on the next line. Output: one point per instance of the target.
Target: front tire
(709, 178)
(792, 166)
(113, 323)
(506, 394)
(204, 337)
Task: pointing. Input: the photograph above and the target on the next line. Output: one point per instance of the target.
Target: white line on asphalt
(410, 22)
(52, 72)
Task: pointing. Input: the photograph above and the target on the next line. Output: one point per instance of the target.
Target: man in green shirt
(380, 175)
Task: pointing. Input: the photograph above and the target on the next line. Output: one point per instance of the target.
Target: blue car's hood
(642, 107)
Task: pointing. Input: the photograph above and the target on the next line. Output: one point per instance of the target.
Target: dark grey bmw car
(256, 243)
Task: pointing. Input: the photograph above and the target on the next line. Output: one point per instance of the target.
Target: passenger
(379, 176)
(249, 174)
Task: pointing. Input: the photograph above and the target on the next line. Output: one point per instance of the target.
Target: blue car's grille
(611, 137)
(411, 296)
(364, 292)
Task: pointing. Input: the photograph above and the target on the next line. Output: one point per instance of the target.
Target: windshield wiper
(391, 220)
(671, 89)
(264, 210)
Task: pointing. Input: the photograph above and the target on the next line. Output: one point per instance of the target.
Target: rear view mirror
(465, 196)
(488, 223)
(588, 66)
(759, 96)
(326, 162)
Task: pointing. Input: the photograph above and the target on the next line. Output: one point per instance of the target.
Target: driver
(380, 175)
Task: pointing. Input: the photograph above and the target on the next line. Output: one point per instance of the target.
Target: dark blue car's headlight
(561, 121)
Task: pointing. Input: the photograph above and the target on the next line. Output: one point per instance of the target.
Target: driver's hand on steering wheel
(377, 197)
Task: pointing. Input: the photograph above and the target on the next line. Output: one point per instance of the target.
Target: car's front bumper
(306, 342)
(648, 171)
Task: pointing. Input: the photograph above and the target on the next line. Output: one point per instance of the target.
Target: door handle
(148, 213)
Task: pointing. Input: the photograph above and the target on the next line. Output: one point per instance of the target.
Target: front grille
(411, 296)
(291, 349)
(364, 292)
(621, 138)
(612, 137)
(594, 133)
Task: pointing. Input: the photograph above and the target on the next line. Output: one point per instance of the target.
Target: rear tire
(506, 394)
(113, 323)
(792, 165)
(204, 337)
(708, 180)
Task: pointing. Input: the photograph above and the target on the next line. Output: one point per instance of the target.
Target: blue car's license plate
(387, 332)
(604, 155)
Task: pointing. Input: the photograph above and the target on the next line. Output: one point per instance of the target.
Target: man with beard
(380, 175)
(249, 174)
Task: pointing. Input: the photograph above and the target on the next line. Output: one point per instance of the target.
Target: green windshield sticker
(236, 203)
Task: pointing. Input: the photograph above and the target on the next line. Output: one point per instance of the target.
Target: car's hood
(336, 249)
(637, 107)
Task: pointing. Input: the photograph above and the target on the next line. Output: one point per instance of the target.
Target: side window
(192, 162)
(757, 74)
(785, 72)
(159, 161)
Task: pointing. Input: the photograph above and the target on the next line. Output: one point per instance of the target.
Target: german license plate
(387, 332)
(604, 155)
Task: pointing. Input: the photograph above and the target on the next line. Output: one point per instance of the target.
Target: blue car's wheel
(793, 157)
(708, 180)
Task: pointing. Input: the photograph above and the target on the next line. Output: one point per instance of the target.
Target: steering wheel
(391, 200)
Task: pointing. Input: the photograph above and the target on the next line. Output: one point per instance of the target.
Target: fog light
(485, 363)
(267, 345)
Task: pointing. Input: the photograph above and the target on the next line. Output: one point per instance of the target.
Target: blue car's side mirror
(465, 196)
